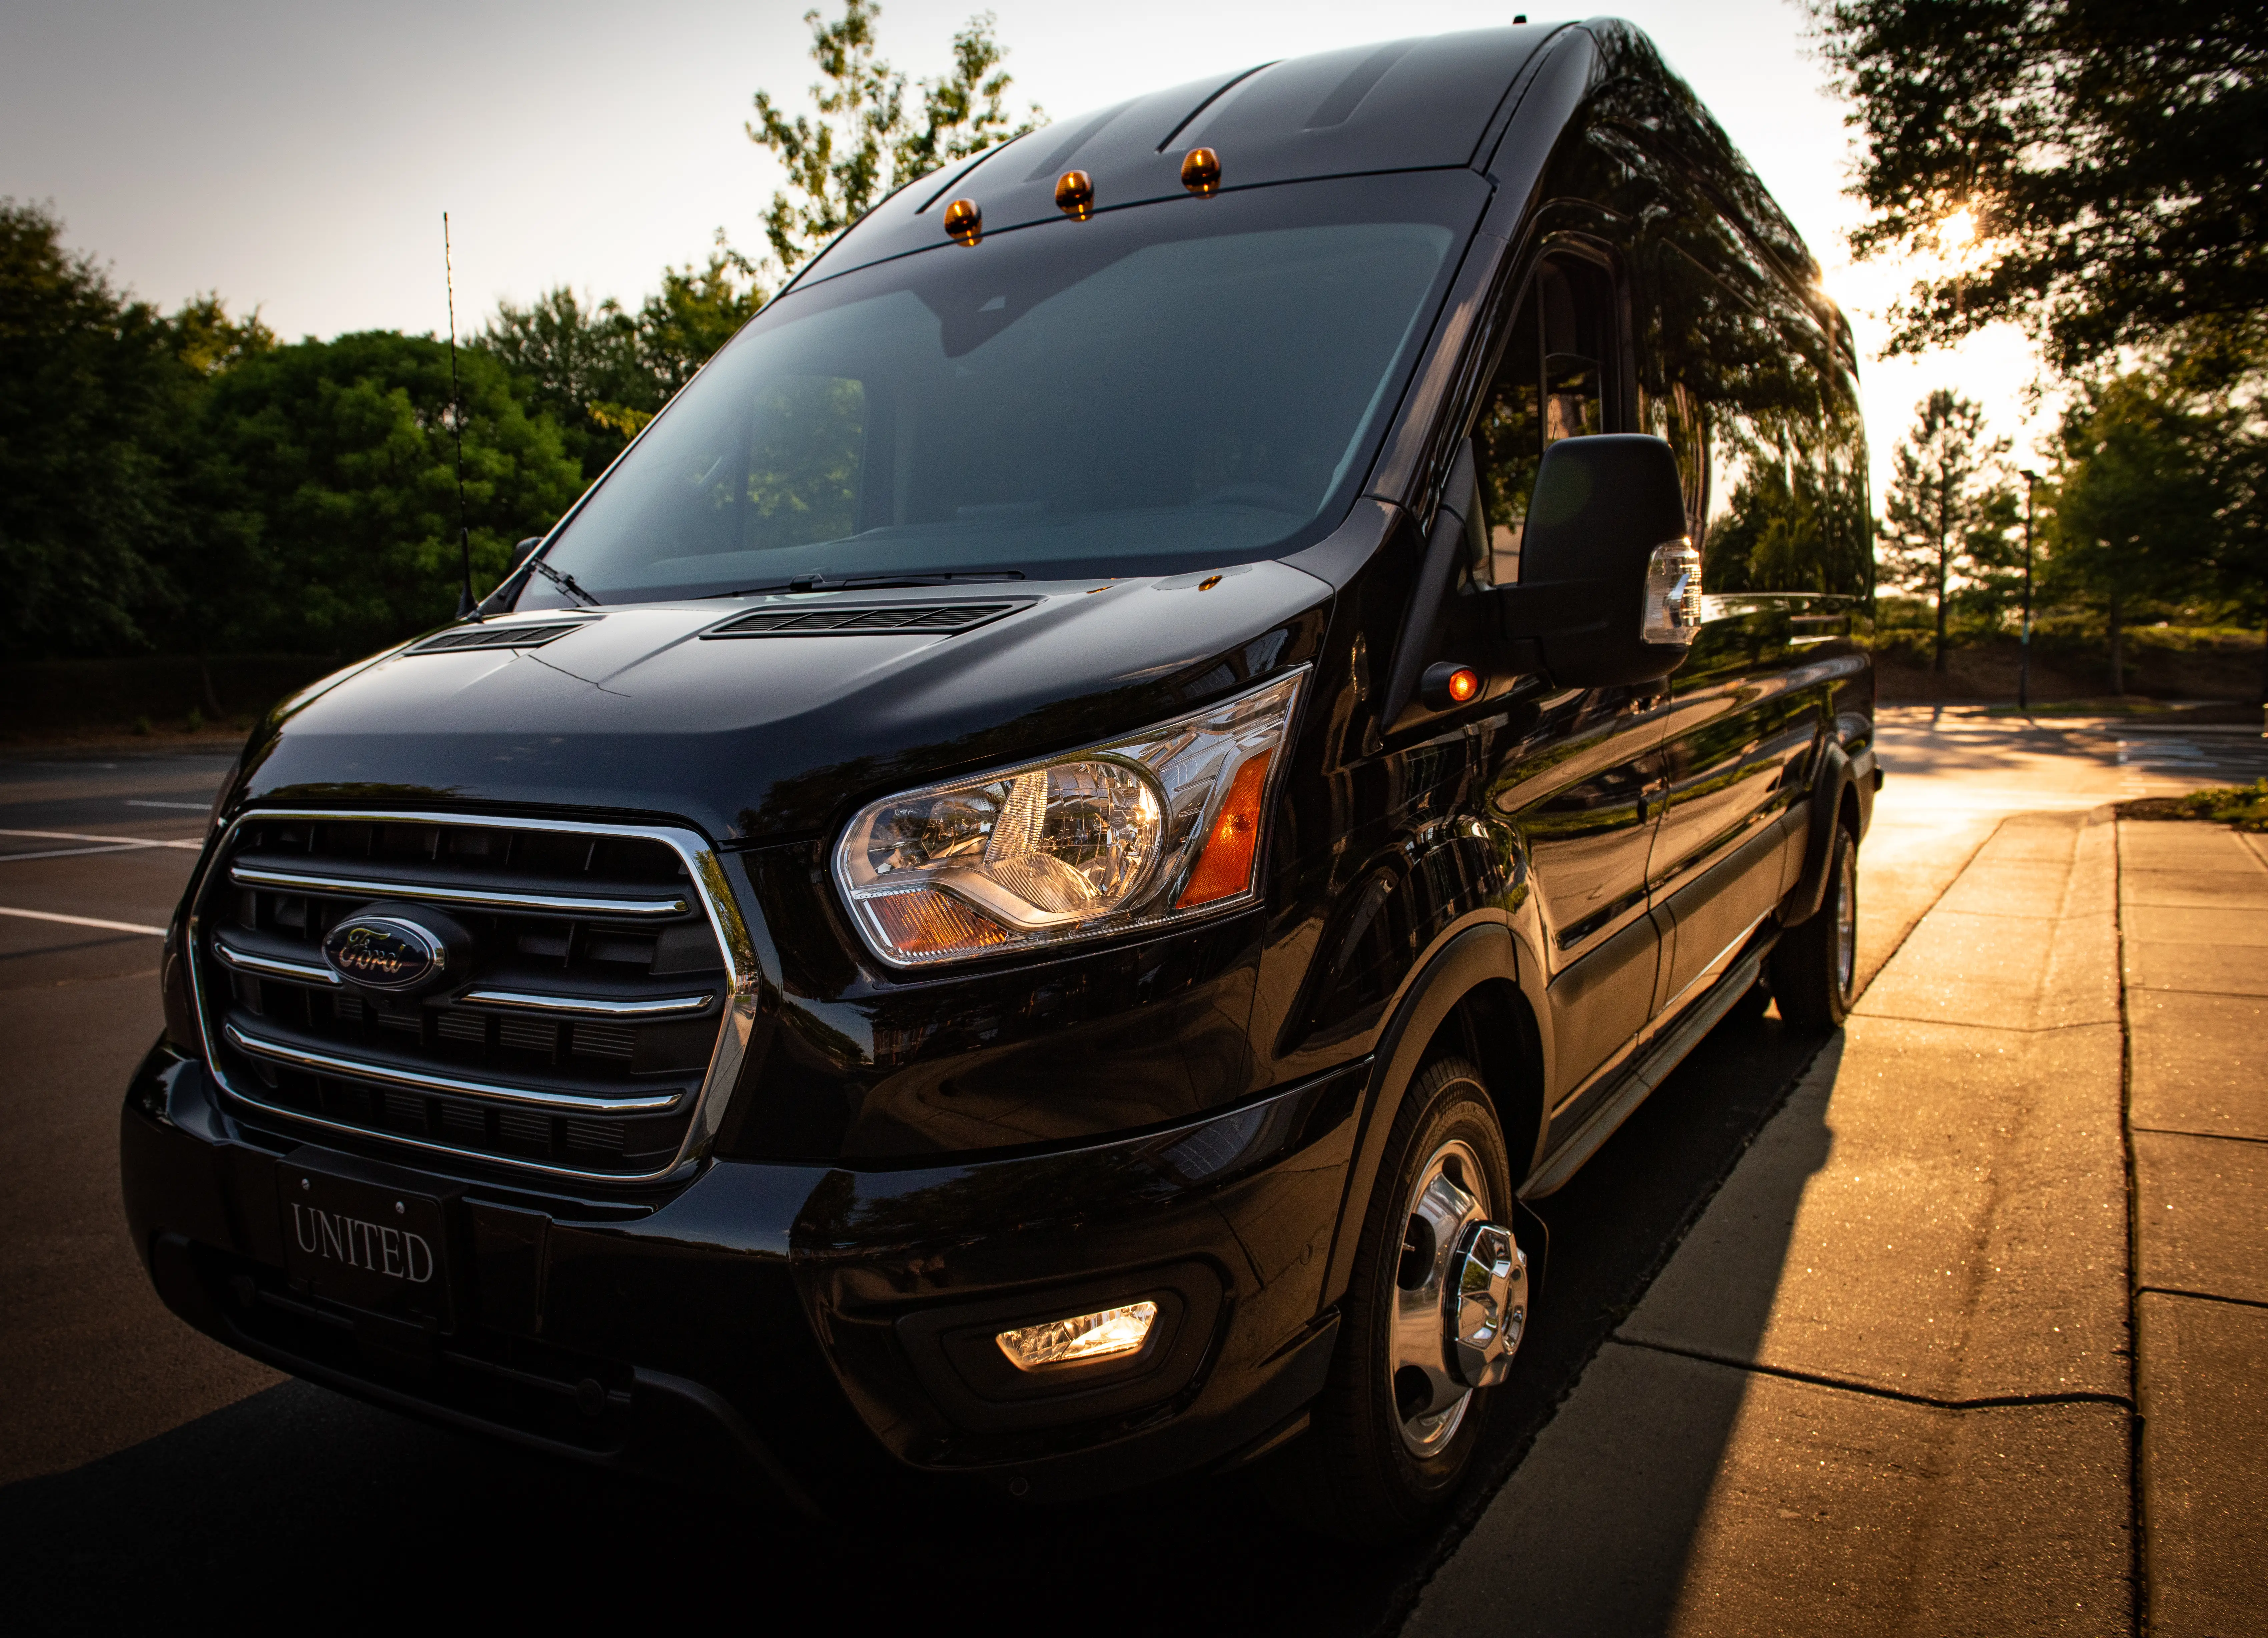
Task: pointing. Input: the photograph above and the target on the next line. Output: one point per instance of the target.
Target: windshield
(1189, 383)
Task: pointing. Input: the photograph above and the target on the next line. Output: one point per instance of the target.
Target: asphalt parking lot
(143, 1467)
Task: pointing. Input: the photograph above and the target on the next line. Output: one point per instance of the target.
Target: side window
(1740, 371)
(1555, 380)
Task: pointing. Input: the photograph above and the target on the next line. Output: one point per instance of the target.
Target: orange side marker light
(1201, 171)
(964, 222)
(1075, 195)
(1225, 869)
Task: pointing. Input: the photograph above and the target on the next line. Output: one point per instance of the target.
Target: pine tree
(1945, 511)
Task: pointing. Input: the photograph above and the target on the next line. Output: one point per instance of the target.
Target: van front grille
(579, 1038)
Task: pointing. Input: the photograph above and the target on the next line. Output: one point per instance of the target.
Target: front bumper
(795, 1334)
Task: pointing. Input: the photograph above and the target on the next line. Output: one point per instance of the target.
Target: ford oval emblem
(384, 953)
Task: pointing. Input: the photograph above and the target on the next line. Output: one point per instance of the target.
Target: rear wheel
(1437, 1304)
(1815, 965)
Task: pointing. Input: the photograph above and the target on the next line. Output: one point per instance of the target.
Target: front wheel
(1437, 1304)
(1816, 966)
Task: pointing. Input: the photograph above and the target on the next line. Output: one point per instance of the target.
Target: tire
(1360, 1475)
(1814, 967)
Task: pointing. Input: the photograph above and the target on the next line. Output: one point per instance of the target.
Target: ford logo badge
(387, 952)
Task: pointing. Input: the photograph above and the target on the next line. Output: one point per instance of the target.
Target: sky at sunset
(297, 158)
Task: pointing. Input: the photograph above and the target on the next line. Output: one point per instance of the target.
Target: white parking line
(84, 921)
(74, 835)
(73, 853)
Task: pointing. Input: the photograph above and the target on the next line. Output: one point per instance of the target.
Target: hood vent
(839, 618)
(498, 637)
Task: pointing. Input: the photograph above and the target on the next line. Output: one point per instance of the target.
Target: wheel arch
(1471, 996)
(1832, 796)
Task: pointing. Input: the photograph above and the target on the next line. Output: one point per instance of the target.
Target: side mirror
(1610, 586)
(521, 553)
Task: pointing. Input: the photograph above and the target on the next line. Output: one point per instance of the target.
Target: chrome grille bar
(589, 1006)
(362, 1070)
(483, 897)
(273, 967)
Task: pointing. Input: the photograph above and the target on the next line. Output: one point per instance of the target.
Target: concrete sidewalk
(1885, 1385)
(2193, 907)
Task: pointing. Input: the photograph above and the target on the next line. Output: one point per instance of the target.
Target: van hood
(643, 708)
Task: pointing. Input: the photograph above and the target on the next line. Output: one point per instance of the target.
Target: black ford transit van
(1020, 897)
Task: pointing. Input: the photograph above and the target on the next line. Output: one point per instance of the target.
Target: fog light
(1113, 1332)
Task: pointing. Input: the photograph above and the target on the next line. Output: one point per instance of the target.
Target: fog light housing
(1107, 1334)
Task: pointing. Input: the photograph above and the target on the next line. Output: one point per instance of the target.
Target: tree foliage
(328, 493)
(864, 140)
(2113, 158)
(601, 372)
(2158, 498)
(98, 398)
(1949, 507)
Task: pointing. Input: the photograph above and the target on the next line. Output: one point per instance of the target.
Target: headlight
(1147, 830)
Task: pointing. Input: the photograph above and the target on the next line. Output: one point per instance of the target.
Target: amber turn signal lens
(964, 222)
(1201, 171)
(1446, 684)
(1225, 868)
(1075, 195)
(927, 922)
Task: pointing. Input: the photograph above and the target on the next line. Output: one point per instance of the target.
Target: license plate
(365, 1244)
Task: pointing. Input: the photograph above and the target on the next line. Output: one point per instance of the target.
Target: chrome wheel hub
(1460, 1300)
(1846, 921)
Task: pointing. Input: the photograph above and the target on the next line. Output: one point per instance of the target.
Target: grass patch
(2245, 806)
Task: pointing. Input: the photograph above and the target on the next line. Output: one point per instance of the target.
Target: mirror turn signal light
(1446, 683)
(1225, 868)
(1075, 195)
(964, 222)
(1104, 1335)
(1201, 171)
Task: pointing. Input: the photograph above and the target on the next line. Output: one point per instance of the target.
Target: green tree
(1945, 517)
(326, 491)
(865, 141)
(91, 387)
(2113, 158)
(2237, 557)
(567, 354)
(2143, 507)
(601, 373)
(697, 311)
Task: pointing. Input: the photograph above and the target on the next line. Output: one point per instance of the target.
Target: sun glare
(1957, 232)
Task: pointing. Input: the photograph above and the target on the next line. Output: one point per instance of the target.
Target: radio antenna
(466, 607)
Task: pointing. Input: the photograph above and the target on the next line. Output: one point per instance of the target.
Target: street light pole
(2024, 658)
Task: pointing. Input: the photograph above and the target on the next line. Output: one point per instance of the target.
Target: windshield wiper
(565, 582)
(819, 582)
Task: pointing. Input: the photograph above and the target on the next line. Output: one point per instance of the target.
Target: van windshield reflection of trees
(1181, 385)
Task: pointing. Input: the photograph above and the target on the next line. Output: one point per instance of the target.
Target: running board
(1655, 1068)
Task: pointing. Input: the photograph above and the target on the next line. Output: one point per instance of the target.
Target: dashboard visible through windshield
(1167, 387)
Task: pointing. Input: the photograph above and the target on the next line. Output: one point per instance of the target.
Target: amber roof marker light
(1201, 171)
(964, 222)
(1075, 195)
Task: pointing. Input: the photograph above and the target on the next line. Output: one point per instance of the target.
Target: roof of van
(1408, 105)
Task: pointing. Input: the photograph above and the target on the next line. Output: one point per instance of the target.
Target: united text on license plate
(365, 1244)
